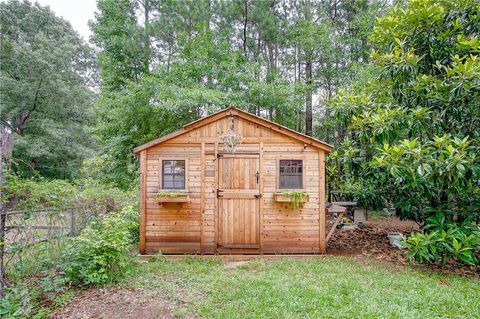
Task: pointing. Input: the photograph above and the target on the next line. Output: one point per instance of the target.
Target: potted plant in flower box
(172, 196)
(296, 198)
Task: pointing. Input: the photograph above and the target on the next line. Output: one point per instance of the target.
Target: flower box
(287, 198)
(171, 197)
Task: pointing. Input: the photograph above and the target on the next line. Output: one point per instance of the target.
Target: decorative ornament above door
(231, 138)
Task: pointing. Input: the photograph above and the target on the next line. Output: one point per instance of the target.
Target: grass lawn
(329, 287)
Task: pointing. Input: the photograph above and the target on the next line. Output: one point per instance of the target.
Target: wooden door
(238, 203)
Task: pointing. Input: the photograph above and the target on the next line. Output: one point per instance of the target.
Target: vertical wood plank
(224, 221)
(215, 199)
(242, 212)
(321, 200)
(231, 214)
(260, 200)
(254, 164)
(218, 235)
(256, 234)
(246, 174)
(248, 221)
(202, 200)
(236, 229)
(143, 201)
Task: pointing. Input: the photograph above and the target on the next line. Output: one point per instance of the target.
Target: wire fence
(24, 229)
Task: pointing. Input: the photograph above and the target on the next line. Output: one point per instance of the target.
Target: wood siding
(199, 225)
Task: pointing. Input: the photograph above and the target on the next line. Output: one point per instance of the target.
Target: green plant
(296, 197)
(38, 273)
(100, 254)
(171, 194)
(16, 303)
(409, 125)
(84, 195)
(445, 240)
(432, 176)
(363, 192)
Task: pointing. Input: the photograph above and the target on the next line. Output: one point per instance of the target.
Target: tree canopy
(46, 102)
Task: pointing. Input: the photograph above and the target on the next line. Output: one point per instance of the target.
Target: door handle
(257, 175)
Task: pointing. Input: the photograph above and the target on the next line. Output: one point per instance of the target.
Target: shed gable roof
(244, 115)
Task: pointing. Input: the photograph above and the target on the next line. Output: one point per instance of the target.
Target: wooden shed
(224, 185)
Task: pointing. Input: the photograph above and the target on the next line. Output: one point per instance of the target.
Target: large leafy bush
(410, 127)
(428, 178)
(100, 254)
(445, 240)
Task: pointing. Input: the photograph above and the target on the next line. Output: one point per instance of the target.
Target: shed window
(173, 174)
(291, 174)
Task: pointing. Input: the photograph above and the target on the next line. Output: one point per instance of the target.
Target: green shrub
(27, 193)
(83, 195)
(16, 303)
(43, 274)
(32, 297)
(100, 254)
(364, 192)
(99, 199)
(439, 175)
(445, 240)
(40, 274)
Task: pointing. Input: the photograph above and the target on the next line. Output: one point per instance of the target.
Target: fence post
(3, 221)
(3, 279)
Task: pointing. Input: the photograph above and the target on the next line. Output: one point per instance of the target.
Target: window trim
(277, 174)
(160, 178)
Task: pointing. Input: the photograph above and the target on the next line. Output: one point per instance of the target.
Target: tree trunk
(308, 77)
(146, 35)
(245, 22)
(308, 99)
(271, 72)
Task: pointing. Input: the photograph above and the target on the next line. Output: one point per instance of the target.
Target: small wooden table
(350, 208)
(346, 204)
(340, 210)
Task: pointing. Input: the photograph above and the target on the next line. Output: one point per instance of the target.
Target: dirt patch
(117, 303)
(234, 264)
(393, 224)
(371, 240)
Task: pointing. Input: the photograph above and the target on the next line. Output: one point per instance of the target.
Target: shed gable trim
(246, 116)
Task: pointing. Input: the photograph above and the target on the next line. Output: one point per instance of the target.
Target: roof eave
(280, 128)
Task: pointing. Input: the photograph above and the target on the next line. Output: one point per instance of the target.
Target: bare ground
(117, 303)
(371, 240)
